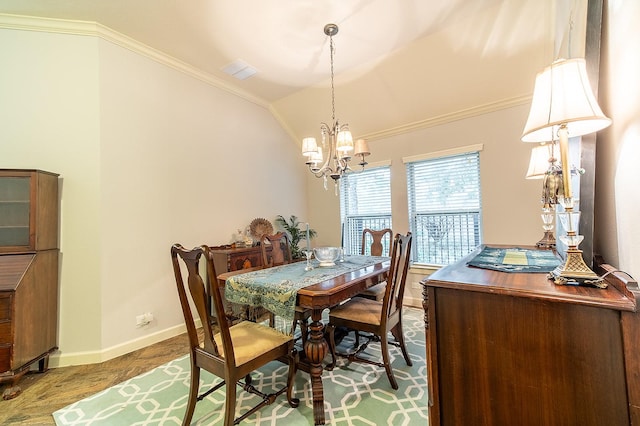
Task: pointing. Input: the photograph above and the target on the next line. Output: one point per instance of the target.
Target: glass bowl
(327, 255)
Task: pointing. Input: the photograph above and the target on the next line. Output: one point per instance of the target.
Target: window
(444, 205)
(365, 202)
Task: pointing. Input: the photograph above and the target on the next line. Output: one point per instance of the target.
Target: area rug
(355, 393)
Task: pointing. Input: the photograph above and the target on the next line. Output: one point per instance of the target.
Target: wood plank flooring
(42, 394)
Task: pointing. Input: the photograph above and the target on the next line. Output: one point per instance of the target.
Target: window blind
(365, 202)
(444, 207)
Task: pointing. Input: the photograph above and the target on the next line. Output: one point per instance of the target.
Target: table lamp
(564, 105)
(543, 165)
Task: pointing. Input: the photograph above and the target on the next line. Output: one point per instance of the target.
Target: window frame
(460, 242)
(353, 224)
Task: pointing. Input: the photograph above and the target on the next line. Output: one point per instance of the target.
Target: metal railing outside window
(444, 238)
(354, 225)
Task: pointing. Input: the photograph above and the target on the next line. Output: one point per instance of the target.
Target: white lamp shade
(345, 141)
(539, 162)
(362, 148)
(316, 157)
(309, 146)
(562, 95)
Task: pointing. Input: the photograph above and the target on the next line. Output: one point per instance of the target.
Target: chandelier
(332, 157)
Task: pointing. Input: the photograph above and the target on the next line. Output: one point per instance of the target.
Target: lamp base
(576, 272)
(548, 241)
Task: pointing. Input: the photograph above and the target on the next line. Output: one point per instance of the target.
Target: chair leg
(193, 395)
(293, 367)
(230, 403)
(332, 346)
(304, 329)
(384, 348)
(399, 336)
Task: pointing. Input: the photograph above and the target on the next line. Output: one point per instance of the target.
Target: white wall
(617, 172)
(510, 203)
(148, 156)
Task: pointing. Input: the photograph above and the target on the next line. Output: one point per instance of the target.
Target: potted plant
(296, 234)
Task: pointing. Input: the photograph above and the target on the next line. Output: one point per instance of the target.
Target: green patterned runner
(514, 259)
(276, 288)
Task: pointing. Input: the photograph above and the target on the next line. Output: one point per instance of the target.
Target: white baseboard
(61, 359)
(414, 302)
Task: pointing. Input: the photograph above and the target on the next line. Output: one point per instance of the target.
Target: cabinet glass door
(14, 211)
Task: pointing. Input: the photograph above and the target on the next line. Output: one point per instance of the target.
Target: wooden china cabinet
(28, 273)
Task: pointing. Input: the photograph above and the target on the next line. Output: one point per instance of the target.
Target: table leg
(315, 349)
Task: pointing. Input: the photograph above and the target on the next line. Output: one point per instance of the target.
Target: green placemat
(515, 259)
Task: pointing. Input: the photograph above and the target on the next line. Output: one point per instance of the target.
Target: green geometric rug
(355, 393)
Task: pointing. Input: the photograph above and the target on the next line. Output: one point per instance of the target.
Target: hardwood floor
(42, 394)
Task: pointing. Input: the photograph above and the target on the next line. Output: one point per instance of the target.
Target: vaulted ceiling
(398, 64)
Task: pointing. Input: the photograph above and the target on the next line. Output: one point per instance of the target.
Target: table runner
(276, 288)
(515, 259)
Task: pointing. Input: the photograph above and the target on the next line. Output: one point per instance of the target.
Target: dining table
(281, 289)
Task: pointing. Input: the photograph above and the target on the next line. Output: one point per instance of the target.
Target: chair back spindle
(397, 278)
(374, 240)
(280, 249)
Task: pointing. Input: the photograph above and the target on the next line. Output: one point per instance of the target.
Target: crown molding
(95, 29)
(449, 117)
(427, 122)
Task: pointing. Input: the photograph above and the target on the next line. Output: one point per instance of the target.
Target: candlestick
(308, 240)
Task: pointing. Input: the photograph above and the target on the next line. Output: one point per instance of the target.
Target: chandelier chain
(333, 98)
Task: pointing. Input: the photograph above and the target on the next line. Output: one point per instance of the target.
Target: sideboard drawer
(5, 332)
(227, 259)
(5, 358)
(5, 306)
(245, 260)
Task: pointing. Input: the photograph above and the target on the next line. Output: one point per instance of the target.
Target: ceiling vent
(239, 69)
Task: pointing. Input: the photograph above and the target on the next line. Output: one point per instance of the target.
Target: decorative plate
(260, 227)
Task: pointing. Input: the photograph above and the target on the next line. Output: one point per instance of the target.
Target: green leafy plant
(296, 233)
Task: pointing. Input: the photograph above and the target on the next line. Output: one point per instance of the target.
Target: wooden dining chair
(376, 318)
(373, 243)
(233, 352)
(276, 251)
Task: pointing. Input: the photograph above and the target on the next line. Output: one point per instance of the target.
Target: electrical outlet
(140, 320)
(144, 319)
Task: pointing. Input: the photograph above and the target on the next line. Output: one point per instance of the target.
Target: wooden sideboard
(28, 273)
(227, 259)
(516, 349)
